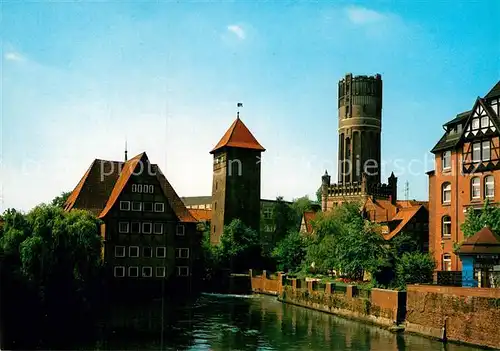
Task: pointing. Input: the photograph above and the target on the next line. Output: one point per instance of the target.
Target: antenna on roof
(126, 150)
(238, 105)
(407, 190)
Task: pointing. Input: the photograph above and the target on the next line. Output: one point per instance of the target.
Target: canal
(255, 322)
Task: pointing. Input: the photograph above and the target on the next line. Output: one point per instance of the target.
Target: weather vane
(238, 105)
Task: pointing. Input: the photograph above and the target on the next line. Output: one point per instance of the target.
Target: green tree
(284, 218)
(415, 268)
(319, 195)
(476, 220)
(290, 252)
(60, 200)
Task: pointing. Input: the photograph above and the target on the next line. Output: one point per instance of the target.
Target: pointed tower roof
(238, 136)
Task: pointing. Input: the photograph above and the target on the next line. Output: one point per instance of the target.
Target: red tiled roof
(483, 242)
(403, 216)
(308, 217)
(238, 136)
(201, 215)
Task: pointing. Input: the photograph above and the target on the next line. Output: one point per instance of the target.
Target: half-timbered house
(467, 173)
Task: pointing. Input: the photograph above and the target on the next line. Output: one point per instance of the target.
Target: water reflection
(214, 322)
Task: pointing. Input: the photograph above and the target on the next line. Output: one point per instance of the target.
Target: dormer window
(446, 160)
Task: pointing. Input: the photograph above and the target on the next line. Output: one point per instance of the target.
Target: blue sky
(80, 78)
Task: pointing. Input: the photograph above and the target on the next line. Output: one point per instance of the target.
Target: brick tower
(236, 180)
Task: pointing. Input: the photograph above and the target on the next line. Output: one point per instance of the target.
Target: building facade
(359, 152)
(466, 174)
(236, 180)
(147, 232)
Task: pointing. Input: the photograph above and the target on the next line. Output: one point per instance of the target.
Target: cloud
(14, 56)
(237, 30)
(361, 15)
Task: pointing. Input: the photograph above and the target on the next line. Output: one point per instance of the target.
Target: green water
(218, 322)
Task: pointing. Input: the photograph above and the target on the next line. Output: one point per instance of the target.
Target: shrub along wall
(467, 315)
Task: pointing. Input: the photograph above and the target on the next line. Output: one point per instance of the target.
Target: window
(485, 121)
(136, 206)
(182, 253)
(158, 228)
(179, 230)
(133, 271)
(159, 207)
(446, 160)
(476, 152)
(475, 123)
(123, 227)
(146, 228)
(135, 227)
(125, 205)
(139, 188)
(119, 271)
(133, 251)
(446, 262)
(147, 251)
(446, 227)
(459, 128)
(148, 207)
(119, 251)
(146, 189)
(161, 252)
(147, 272)
(268, 213)
(446, 193)
(489, 186)
(485, 156)
(134, 188)
(475, 188)
(160, 271)
(151, 189)
(182, 271)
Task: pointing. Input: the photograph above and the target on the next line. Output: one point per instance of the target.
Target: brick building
(466, 174)
(147, 231)
(236, 180)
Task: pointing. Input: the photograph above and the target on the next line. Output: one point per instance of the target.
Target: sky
(80, 78)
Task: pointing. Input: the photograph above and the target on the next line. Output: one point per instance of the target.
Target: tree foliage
(60, 200)
(284, 217)
(290, 252)
(476, 220)
(415, 268)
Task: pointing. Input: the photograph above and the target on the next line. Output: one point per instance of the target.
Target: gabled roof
(404, 215)
(102, 184)
(238, 136)
(480, 104)
(450, 140)
(483, 242)
(494, 92)
(201, 215)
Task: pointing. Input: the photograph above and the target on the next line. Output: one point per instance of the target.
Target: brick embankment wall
(469, 315)
(262, 284)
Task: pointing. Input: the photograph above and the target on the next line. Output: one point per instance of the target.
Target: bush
(415, 268)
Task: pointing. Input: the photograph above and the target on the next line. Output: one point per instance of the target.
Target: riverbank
(443, 313)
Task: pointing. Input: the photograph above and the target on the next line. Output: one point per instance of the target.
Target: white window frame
(116, 268)
(446, 262)
(124, 251)
(135, 203)
(127, 229)
(144, 251)
(475, 124)
(161, 228)
(485, 145)
(179, 270)
(134, 188)
(485, 119)
(151, 189)
(147, 268)
(476, 148)
(145, 189)
(178, 230)
(445, 189)
(446, 160)
(144, 231)
(130, 251)
(268, 213)
(160, 269)
(124, 205)
(140, 227)
(446, 223)
(139, 188)
(159, 207)
(475, 187)
(164, 251)
(489, 184)
(182, 252)
(132, 268)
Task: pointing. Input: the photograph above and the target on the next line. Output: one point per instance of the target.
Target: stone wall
(263, 284)
(467, 315)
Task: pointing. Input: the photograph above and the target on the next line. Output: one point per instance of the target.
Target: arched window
(475, 185)
(446, 227)
(446, 160)
(489, 186)
(446, 262)
(446, 193)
